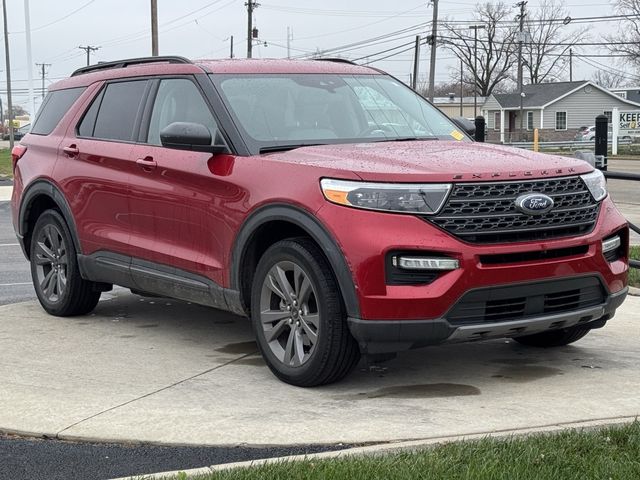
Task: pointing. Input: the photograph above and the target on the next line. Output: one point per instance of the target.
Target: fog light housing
(424, 263)
(612, 248)
(611, 243)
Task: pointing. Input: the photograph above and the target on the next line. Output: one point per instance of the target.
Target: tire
(554, 338)
(54, 269)
(308, 344)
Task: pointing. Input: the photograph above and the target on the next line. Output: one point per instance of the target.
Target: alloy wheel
(51, 263)
(289, 313)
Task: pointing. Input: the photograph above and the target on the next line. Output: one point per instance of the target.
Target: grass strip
(6, 169)
(607, 453)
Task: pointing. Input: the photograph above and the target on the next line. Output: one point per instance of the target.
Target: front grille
(496, 304)
(486, 212)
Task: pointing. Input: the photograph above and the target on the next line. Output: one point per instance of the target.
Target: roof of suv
(178, 65)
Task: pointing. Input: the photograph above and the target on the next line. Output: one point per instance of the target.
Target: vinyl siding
(491, 104)
(582, 108)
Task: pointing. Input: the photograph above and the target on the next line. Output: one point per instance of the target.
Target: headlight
(423, 198)
(596, 184)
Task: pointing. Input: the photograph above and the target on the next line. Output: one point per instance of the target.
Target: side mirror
(467, 126)
(189, 136)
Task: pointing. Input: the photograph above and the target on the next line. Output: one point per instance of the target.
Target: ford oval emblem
(534, 203)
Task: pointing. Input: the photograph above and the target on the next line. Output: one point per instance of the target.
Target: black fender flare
(315, 229)
(33, 191)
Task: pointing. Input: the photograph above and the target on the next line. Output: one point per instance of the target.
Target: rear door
(96, 165)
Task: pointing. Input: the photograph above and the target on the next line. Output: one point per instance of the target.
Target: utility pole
(521, 16)
(27, 29)
(416, 64)
(432, 60)
(231, 52)
(251, 6)
(88, 49)
(8, 68)
(43, 66)
(154, 28)
(462, 89)
(571, 64)
(289, 37)
(475, 29)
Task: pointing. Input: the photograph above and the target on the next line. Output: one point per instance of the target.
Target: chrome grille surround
(485, 212)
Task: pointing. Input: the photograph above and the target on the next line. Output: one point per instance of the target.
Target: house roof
(456, 100)
(542, 95)
(538, 95)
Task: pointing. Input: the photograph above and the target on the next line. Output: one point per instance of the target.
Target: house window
(529, 120)
(496, 121)
(561, 120)
(609, 115)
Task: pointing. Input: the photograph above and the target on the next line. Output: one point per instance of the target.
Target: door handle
(147, 163)
(71, 150)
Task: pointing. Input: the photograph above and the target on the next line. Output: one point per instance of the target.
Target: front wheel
(554, 338)
(298, 316)
(54, 269)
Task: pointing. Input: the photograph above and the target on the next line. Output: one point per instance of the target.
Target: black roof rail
(336, 60)
(129, 61)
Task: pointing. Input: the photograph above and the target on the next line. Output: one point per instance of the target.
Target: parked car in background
(588, 134)
(18, 133)
(326, 201)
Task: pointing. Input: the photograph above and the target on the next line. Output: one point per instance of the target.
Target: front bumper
(379, 336)
(367, 237)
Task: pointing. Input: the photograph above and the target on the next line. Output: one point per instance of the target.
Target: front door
(174, 192)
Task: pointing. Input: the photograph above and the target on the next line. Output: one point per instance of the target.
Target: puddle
(149, 325)
(428, 390)
(527, 373)
(253, 361)
(239, 348)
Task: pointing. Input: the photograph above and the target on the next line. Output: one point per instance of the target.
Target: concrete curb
(635, 291)
(5, 192)
(388, 448)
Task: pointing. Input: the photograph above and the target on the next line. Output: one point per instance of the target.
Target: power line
(82, 7)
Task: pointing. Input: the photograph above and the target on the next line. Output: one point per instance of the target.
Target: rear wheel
(554, 338)
(298, 316)
(54, 269)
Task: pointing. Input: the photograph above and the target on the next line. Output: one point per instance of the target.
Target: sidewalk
(161, 371)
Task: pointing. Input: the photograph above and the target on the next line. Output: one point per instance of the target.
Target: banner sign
(629, 123)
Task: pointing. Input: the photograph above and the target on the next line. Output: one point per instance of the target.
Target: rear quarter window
(55, 105)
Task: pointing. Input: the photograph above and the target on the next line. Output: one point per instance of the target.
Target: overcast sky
(201, 29)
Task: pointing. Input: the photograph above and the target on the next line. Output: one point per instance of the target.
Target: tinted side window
(118, 110)
(85, 129)
(53, 109)
(179, 100)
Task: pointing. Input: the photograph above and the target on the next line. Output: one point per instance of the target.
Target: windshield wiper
(406, 139)
(285, 148)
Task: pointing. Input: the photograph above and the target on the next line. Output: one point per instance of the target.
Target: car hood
(432, 160)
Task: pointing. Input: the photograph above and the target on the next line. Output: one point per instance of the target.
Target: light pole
(475, 29)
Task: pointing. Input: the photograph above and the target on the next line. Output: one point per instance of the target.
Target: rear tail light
(17, 153)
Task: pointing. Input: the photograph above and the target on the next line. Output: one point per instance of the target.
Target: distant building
(557, 110)
(628, 93)
(451, 105)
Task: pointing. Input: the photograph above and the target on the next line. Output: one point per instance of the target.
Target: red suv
(327, 201)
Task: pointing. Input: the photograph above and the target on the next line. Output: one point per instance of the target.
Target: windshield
(311, 109)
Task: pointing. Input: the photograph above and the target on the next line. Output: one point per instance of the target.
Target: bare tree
(549, 38)
(496, 47)
(626, 39)
(608, 79)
